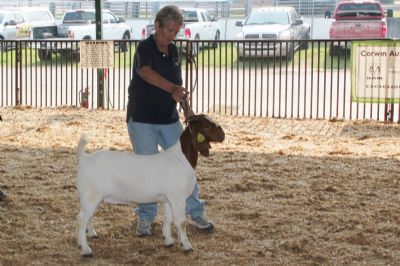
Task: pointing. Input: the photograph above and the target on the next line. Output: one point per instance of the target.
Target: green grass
(323, 58)
(223, 56)
(226, 56)
(29, 57)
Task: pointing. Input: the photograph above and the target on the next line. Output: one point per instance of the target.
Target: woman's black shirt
(147, 103)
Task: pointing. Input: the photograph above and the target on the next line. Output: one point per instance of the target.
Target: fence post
(17, 72)
(100, 72)
(189, 69)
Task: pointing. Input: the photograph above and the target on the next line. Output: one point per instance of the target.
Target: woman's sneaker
(202, 223)
(143, 228)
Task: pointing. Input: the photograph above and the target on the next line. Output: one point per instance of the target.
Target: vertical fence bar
(249, 80)
(292, 91)
(231, 68)
(325, 68)
(344, 84)
(243, 77)
(305, 88)
(286, 80)
(237, 77)
(2, 90)
(273, 78)
(267, 91)
(318, 74)
(17, 61)
(298, 86)
(312, 79)
(262, 78)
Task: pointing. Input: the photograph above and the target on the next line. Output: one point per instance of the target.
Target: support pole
(100, 71)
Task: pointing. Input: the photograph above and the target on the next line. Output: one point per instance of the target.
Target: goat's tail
(83, 141)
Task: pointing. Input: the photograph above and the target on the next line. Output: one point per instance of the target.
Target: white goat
(125, 178)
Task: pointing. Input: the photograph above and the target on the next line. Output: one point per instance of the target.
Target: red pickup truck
(357, 20)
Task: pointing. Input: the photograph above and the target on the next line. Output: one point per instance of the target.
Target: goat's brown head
(201, 130)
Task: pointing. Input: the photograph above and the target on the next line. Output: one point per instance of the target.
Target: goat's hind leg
(90, 229)
(168, 240)
(84, 217)
(178, 212)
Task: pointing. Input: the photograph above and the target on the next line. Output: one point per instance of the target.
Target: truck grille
(264, 36)
(251, 36)
(269, 36)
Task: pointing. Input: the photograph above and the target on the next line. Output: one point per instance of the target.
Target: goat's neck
(188, 149)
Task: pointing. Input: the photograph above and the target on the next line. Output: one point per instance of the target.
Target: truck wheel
(290, 52)
(3, 45)
(216, 38)
(44, 55)
(240, 56)
(305, 45)
(123, 45)
(196, 46)
(333, 50)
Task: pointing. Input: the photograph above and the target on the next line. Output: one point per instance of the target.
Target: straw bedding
(281, 192)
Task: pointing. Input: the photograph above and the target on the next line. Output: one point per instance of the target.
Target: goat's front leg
(168, 240)
(178, 212)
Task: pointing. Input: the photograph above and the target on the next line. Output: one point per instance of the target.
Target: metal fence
(304, 83)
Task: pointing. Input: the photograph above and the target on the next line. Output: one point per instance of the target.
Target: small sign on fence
(376, 71)
(97, 54)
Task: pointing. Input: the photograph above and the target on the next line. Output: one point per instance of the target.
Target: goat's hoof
(94, 237)
(187, 251)
(168, 242)
(169, 245)
(86, 253)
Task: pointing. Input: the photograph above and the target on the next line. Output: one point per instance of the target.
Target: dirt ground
(281, 192)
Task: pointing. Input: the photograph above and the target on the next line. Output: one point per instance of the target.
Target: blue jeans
(145, 139)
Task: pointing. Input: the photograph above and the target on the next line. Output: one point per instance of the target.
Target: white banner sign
(376, 71)
(97, 54)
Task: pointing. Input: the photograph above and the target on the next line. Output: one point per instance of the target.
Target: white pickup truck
(17, 23)
(198, 25)
(272, 32)
(80, 25)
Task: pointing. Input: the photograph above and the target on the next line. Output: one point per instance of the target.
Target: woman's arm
(155, 79)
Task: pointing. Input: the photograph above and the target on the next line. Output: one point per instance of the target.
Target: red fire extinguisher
(84, 98)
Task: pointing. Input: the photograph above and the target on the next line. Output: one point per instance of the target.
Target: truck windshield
(38, 16)
(190, 16)
(1, 18)
(79, 17)
(268, 17)
(358, 9)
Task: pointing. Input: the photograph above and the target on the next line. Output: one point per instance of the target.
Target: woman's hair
(169, 13)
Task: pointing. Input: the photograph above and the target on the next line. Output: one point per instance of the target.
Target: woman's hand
(178, 93)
